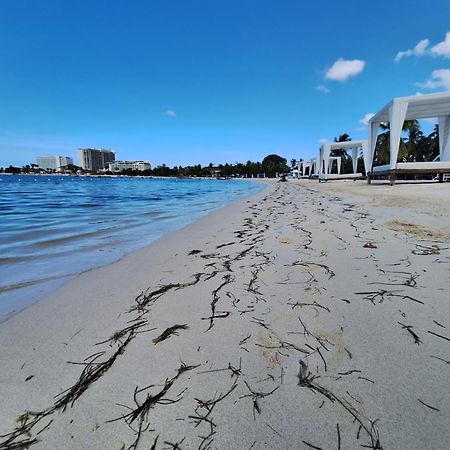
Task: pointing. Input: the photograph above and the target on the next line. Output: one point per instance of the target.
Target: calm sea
(52, 228)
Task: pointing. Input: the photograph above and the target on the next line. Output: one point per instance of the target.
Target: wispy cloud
(442, 48)
(323, 141)
(423, 49)
(170, 113)
(439, 79)
(366, 118)
(343, 69)
(322, 88)
(419, 50)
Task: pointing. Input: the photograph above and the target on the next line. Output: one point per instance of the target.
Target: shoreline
(292, 318)
(29, 292)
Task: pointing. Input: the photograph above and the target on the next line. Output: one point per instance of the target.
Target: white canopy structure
(338, 161)
(326, 161)
(296, 170)
(408, 108)
(310, 166)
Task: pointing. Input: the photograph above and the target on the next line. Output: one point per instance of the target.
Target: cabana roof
(419, 107)
(345, 144)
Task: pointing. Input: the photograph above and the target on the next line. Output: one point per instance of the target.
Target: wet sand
(309, 316)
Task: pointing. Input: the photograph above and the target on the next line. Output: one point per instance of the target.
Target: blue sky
(200, 81)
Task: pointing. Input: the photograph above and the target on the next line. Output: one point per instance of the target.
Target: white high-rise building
(56, 163)
(95, 159)
(118, 166)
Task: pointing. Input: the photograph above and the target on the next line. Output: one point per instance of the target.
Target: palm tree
(429, 145)
(382, 150)
(415, 135)
(342, 152)
(345, 137)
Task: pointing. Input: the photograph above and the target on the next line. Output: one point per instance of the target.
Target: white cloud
(343, 69)
(439, 79)
(422, 49)
(169, 113)
(322, 88)
(443, 48)
(419, 50)
(323, 141)
(366, 118)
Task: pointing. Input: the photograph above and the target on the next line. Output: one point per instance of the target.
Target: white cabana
(326, 161)
(305, 167)
(310, 168)
(296, 170)
(408, 108)
(331, 161)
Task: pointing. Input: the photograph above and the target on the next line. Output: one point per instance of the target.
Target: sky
(193, 82)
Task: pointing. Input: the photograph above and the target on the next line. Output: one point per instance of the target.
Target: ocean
(54, 227)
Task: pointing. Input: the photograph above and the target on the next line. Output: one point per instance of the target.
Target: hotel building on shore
(119, 166)
(95, 158)
(56, 163)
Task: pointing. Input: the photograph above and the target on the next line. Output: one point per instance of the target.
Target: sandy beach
(310, 316)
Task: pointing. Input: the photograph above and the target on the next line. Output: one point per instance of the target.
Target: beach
(310, 315)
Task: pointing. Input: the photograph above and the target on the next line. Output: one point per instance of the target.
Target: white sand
(285, 272)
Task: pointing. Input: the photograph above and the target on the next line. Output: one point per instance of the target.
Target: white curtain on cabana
(397, 114)
(444, 138)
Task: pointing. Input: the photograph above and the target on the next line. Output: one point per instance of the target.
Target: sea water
(54, 227)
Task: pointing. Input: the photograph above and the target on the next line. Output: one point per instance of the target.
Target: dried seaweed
(256, 396)
(311, 445)
(411, 332)
(91, 373)
(330, 272)
(171, 331)
(147, 297)
(382, 293)
(119, 335)
(428, 406)
(203, 413)
(306, 379)
(439, 335)
(227, 279)
(140, 413)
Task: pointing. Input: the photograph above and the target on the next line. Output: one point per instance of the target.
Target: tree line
(415, 146)
(270, 166)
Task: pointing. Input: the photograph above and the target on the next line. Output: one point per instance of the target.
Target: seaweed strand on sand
(306, 379)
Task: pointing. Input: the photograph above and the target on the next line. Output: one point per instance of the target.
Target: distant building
(118, 166)
(95, 159)
(56, 163)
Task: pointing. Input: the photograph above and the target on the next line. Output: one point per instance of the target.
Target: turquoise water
(54, 227)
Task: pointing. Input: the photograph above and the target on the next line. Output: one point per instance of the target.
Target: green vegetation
(270, 166)
(414, 145)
